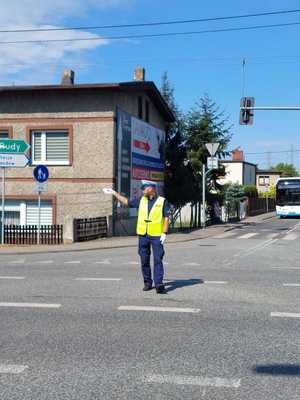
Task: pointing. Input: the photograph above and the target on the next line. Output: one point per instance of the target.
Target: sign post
(3, 205)
(41, 174)
(212, 163)
(11, 156)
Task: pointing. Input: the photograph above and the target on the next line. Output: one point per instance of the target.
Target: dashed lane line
(193, 380)
(43, 262)
(285, 315)
(98, 279)
(216, 282)
(12, 368)
(192, 264)
(159, 309)
(12, 277)
(17, 262)
(72, 262)
(104, 262)
(30, 305)
(292, 284)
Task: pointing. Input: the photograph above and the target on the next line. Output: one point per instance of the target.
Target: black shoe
(146, 288)
(160, 289)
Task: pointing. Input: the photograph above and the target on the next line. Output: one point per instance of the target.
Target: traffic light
(246, 115)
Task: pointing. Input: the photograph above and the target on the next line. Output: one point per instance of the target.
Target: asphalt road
(78, 326)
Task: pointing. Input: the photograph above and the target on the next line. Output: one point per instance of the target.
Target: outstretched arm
(122, 199)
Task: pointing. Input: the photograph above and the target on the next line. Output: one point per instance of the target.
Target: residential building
(73, 130)
(237, 170)
(265, 179)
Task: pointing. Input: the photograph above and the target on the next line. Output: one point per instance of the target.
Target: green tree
(270, 194)
(285, 169)
(179, 180)
(250, 191)
(234, 194)
(203, 124)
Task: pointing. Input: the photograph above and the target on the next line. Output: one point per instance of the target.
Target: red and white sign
(140, 173)
(147, 140)
(141, 145)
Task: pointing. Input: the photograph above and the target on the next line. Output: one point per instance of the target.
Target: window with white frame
(263, 180)
(26, 212)
(50, 147)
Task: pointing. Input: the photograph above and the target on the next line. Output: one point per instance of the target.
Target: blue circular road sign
(41, 173)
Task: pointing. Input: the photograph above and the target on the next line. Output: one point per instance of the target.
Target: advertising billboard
(141, 153)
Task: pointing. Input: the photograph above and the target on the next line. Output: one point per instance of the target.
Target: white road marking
(98, 279)
(290, 236)
(248, 235)
(12, 277)
(159, 309)
(192, 264)
(72, 262)
(30, 305)
(12, 369)
(193, 380)
(225, 235)
(17, 262)
(216, 282)
(272, 235)
(131, 263)
(292, 284)
(44, 262)
(285, 315)
(105, 262)
(254, 249)
(287, 268)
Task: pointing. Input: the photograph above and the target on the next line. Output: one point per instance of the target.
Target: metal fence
(89, 228)
(259, 205)
(28, 234)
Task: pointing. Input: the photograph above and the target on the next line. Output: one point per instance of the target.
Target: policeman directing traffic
(152, 229)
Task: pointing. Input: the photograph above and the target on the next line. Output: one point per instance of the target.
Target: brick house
(72, 129)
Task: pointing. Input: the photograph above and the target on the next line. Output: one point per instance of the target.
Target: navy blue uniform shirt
(135, 203)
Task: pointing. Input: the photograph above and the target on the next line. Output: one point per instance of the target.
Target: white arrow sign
(212, 148)
(13, 160)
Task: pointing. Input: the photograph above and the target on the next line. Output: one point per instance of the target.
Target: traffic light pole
(267, 108)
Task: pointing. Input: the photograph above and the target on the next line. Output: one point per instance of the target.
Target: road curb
(24, 253)
(124, 246)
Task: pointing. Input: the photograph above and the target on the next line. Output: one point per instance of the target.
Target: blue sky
(198, 64)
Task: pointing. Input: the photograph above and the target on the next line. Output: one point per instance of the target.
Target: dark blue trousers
(145, 244)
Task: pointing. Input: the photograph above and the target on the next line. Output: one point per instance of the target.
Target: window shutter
(37, 146)
(57, 146)
(32, 216)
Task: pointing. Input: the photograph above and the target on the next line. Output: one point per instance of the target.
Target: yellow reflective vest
(151, 223)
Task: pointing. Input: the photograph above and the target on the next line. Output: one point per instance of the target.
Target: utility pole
(269, 159)
(243, 76)
(292, 154)
(203, 219)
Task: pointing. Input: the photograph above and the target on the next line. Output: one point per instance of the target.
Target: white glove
(163, 238)
(109, 191)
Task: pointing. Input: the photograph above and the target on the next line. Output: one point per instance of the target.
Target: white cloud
(20, 62)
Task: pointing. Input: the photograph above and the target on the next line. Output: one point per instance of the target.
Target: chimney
(237, 155)
(139, 74)
(68, 77)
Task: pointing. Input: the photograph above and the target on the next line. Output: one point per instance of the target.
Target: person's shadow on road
(174, 284)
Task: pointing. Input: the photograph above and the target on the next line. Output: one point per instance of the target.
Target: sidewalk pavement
(129, 241)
